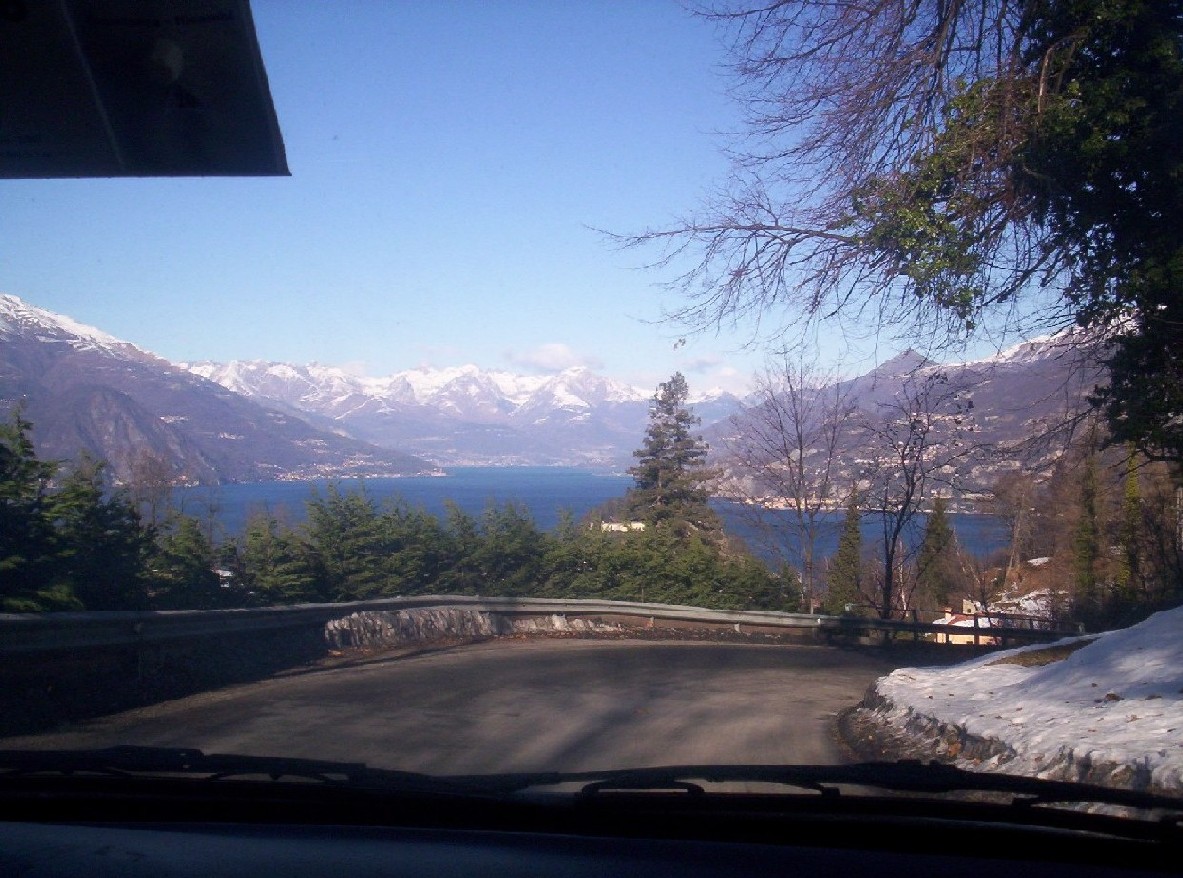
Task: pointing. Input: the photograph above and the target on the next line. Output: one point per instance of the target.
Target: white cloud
(702, 364)
(708, 372)
(551, 357)
(733, 380)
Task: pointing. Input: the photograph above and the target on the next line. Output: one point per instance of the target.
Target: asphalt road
(522, 705)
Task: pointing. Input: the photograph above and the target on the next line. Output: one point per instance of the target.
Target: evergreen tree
(102, 547)
(76, 546)
(579, 561)
(844, 577)
(26, 537)
(670, 475)
(345, 541)
(417, 547)
(510, 551)
(461, 573)
(935, 560)
(182, 570)
(276, 569)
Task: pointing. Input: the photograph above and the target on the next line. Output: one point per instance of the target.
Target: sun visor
(134, 88)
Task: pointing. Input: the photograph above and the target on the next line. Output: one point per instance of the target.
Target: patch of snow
(1116, 700)
(19, 318)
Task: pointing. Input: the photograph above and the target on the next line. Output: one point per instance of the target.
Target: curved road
(523, 705)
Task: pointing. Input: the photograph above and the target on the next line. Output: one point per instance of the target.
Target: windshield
(468, 388)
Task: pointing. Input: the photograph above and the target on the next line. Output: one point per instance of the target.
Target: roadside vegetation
(69, 541)
(945, 175)
(1096, 541)
(1095, 526)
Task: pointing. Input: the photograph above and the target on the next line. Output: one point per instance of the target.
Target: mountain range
(465, 415)
(84, 390)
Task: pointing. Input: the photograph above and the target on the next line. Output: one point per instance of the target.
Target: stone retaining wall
(380, 629)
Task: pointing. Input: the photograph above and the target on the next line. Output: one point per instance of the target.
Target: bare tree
(785, 455)
(833, 210)
(151, 486)
(1012, 501)
(918, 437)
(947, 170)
(981, 579)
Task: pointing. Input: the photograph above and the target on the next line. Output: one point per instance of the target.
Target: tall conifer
(935, 562)
(671, 474)
(844, 577)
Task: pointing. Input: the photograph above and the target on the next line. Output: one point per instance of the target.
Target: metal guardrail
(25, 633)
(977, 634)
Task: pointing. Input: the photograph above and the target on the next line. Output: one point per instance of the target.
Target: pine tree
(1086, 543)
(671, 474)
(510, 550)
(26, 536)
(182, 571)
(935, 563)
(102, 546)
(418, 550)
(275, 567)
(844, 577)
(346, 544)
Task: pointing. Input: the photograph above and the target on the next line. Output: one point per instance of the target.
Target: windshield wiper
(904, 776)
(868, 806)
(828, 781)
(133, 761)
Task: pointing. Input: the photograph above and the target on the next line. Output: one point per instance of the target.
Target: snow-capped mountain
(19, 320)
(83, 389)
(86, 391)
(459, 414)
(331, 390)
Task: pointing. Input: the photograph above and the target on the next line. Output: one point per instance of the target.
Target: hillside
(255, 421)
(85, 390)
(970, 422)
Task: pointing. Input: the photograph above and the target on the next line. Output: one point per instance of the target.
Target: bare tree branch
(843, 102)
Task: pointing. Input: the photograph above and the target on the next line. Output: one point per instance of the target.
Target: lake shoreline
(550, 494)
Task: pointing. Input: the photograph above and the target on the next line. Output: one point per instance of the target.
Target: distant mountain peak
(85, 390)
(20, 319)
(903, 363)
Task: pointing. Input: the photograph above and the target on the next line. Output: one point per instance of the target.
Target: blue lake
(545, 491)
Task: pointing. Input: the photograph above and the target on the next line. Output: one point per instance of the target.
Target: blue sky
(450, 162)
